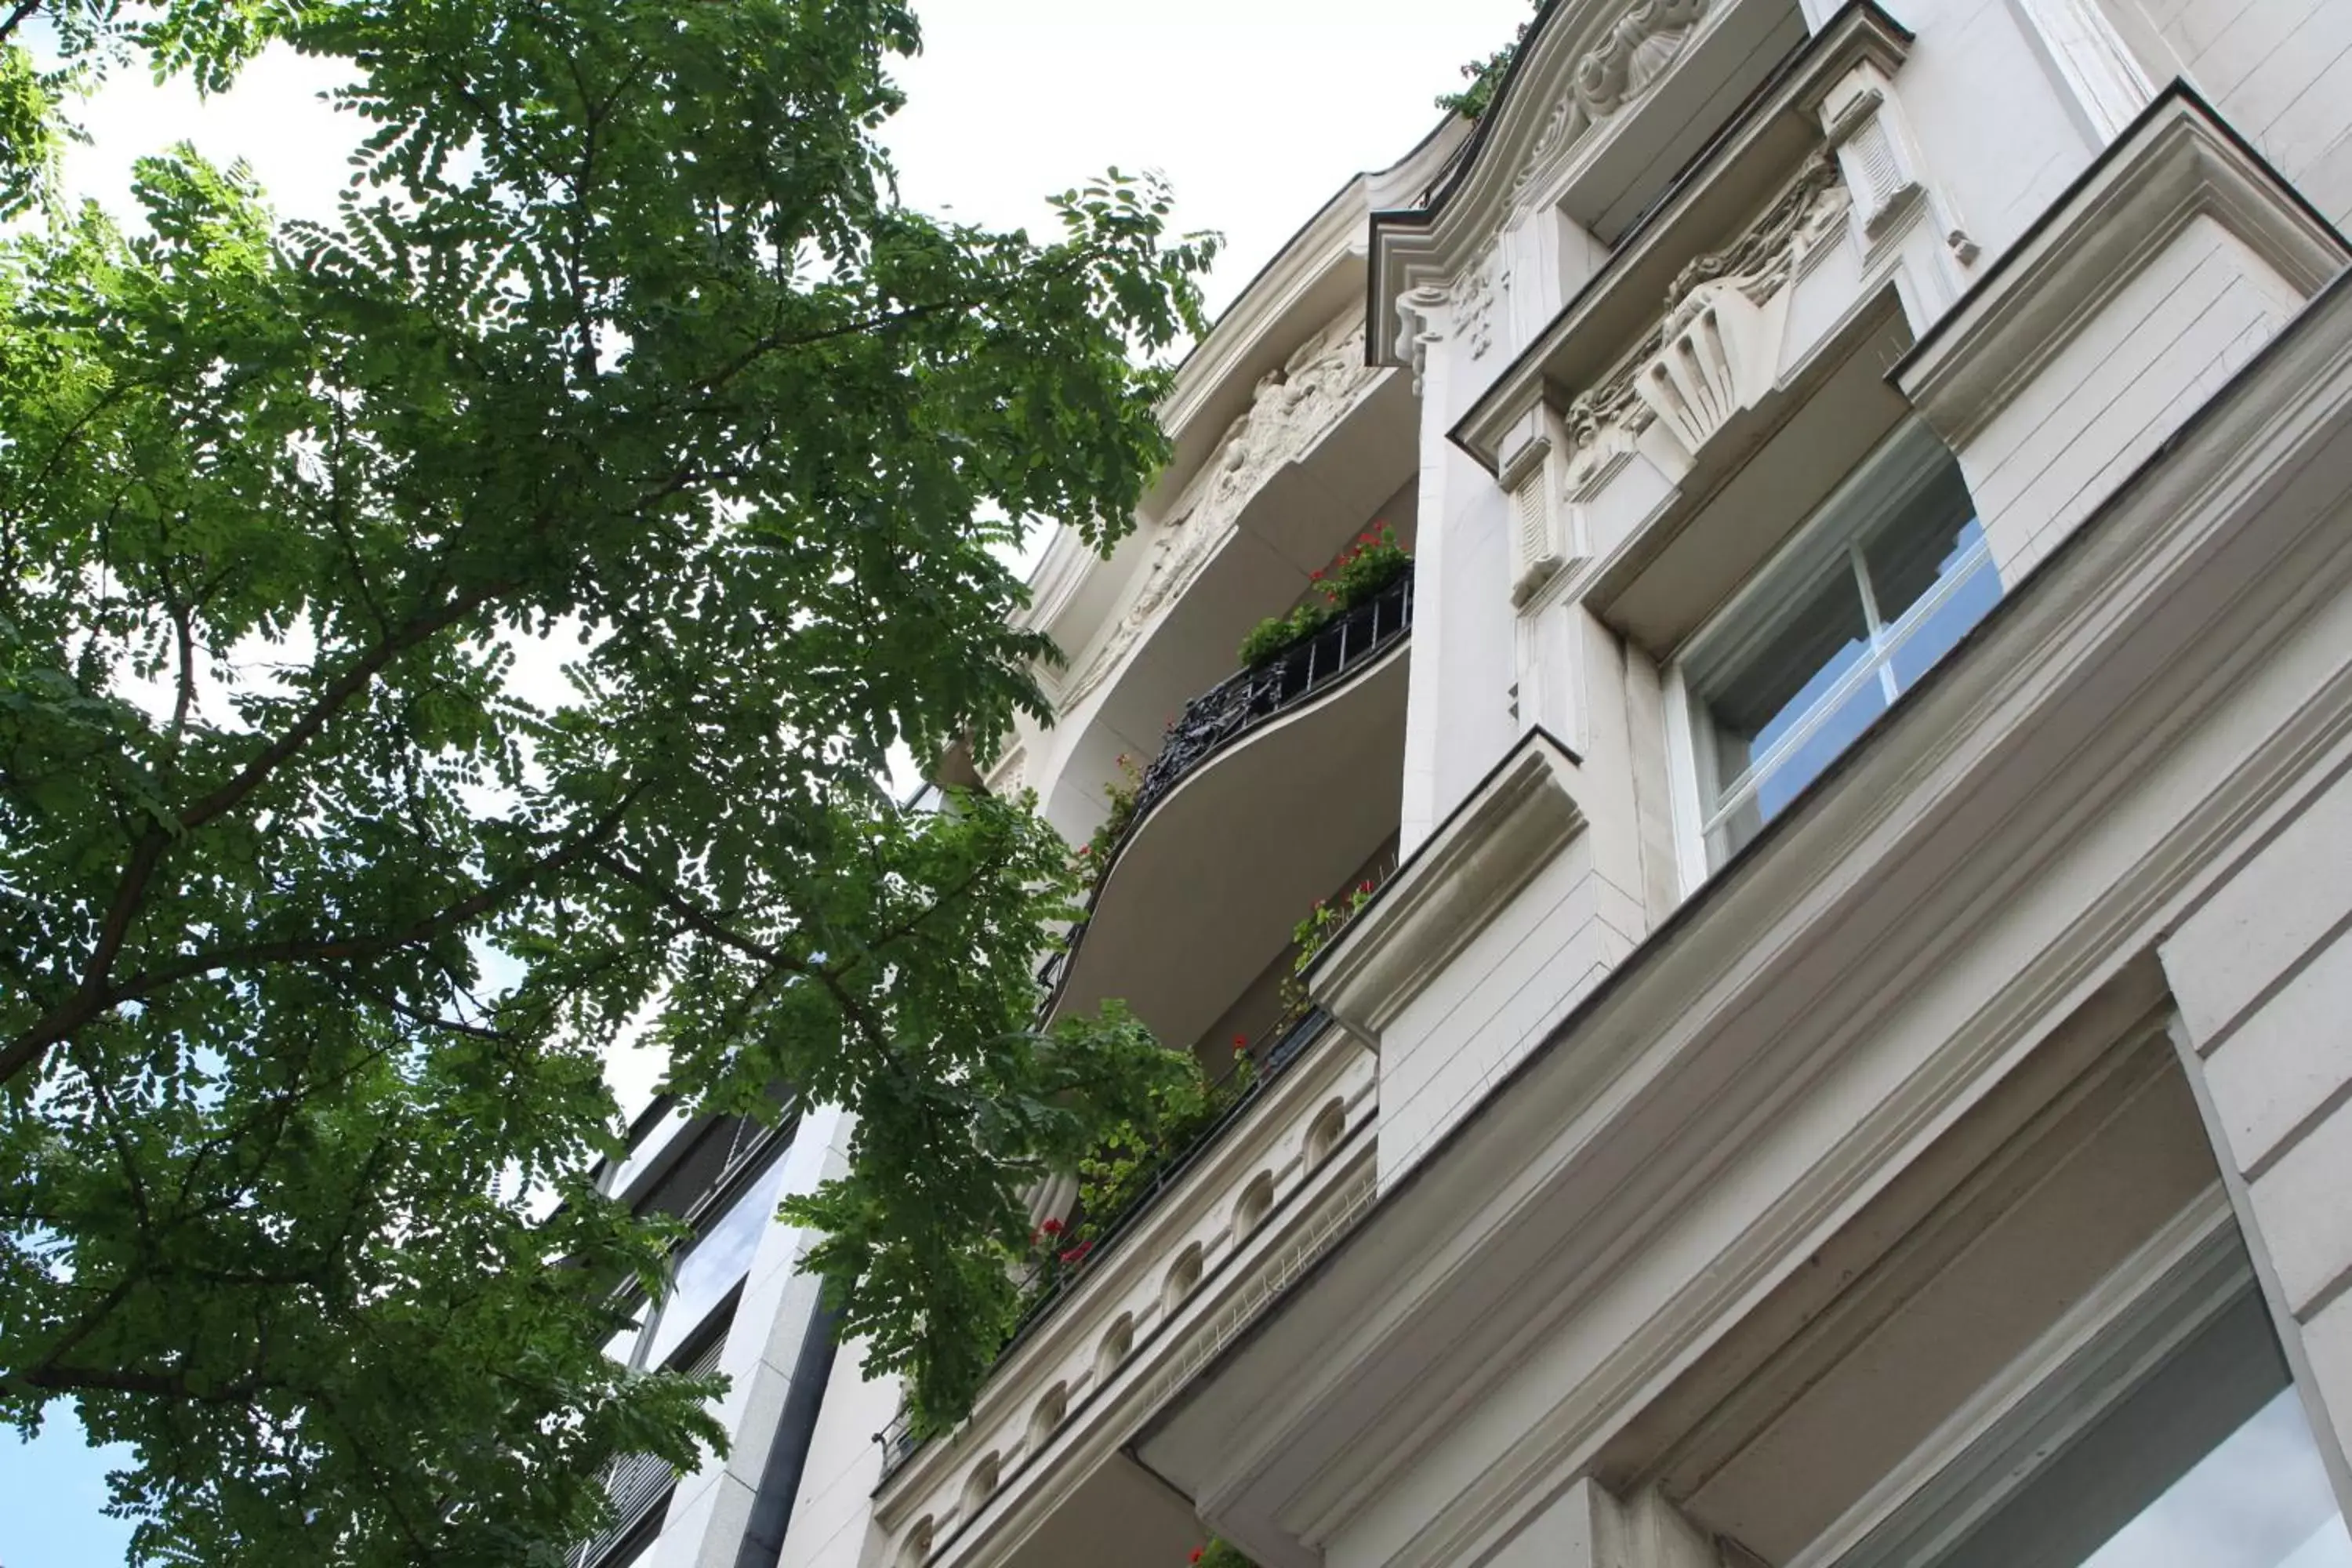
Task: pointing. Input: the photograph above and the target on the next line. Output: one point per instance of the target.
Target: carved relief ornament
(1289, 411)
(1633, 53)
(1716, 346)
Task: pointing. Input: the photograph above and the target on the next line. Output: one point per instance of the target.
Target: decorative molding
(1630, 55)
(1011, 772)
(1716, 347)
(2179, 164)
(1421, 318)
(1313, 1205)
(1292, 408)
(1473, 298)
(1453, 887)
(1759, 151)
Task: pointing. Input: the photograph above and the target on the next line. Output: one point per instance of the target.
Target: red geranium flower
(1078, 1253)
(1196, 1553)
(1052, 1228)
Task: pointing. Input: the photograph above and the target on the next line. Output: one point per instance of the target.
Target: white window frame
(1693, 821)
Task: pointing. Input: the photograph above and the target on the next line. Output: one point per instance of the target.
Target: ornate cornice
(1634, 52)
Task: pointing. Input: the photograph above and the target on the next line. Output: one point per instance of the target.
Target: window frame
(2104, 1349)
(1835, 533)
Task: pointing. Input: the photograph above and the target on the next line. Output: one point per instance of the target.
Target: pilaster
(2262, 973)
(1590, 1528)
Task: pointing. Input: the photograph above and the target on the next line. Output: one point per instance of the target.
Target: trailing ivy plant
(1220, 1553)
(1180, 1108)
(1318, 930)
(1094, 855)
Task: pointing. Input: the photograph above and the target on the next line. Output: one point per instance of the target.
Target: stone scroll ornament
(1619, 67)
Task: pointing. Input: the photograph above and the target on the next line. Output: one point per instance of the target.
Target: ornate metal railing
(1245, 701)
(1284, 1045)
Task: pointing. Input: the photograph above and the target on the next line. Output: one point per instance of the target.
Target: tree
(315, 922)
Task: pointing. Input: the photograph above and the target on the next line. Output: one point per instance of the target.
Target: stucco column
(1590, 1528)
(2262, 974)
(1425, 313)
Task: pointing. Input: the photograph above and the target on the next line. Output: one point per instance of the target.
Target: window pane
(1767, 686)
(2207, 1464)
(1924, 527)
(1804, 763)
(1963, 604)
(716, 1262)
(2259, 1500)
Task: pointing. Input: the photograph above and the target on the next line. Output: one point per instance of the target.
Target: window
(2173, 1438)
(2209, 1464)
(716, 1263)
(1874, 589)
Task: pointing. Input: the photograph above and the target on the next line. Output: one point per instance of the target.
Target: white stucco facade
(1845, 1056)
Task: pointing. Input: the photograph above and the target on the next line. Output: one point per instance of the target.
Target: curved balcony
(1273, 787)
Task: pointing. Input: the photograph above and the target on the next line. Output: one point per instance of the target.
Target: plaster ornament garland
(1009, 774)
(1632, 54)
(1724, 362)
(1290, 409)
(1762, 261)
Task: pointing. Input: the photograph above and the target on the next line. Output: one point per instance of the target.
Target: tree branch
(96, 996)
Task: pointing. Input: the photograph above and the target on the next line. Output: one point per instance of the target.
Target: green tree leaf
(621, 337)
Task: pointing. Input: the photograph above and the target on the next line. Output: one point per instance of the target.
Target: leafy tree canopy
(316, 923)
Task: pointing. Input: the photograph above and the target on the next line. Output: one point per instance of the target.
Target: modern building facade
(1840, 1051)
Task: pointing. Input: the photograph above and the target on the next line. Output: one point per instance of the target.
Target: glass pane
(1925, 529)
(2208, 1463)
(1964, 603)
(2260, 1501)
(1818, 750)
(716, 1262)
(1766, 687)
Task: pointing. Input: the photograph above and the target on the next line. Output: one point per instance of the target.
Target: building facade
(1829, 1041)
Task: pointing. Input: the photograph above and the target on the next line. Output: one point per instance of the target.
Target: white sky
(1257, 110)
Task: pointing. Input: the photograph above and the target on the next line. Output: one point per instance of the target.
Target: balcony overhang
(1292, 483)
(1206, 889)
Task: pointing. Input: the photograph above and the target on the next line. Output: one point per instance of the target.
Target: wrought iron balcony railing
(1246, 700)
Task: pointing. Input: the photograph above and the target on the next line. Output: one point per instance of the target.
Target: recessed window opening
(2209, 1464)
(982, 1484)
(1875, 587)
(2175, 1440)
(1046, 1419)
(1112, 1353)
(1181, 1279)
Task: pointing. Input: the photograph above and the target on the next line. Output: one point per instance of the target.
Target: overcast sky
(1257, 110)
